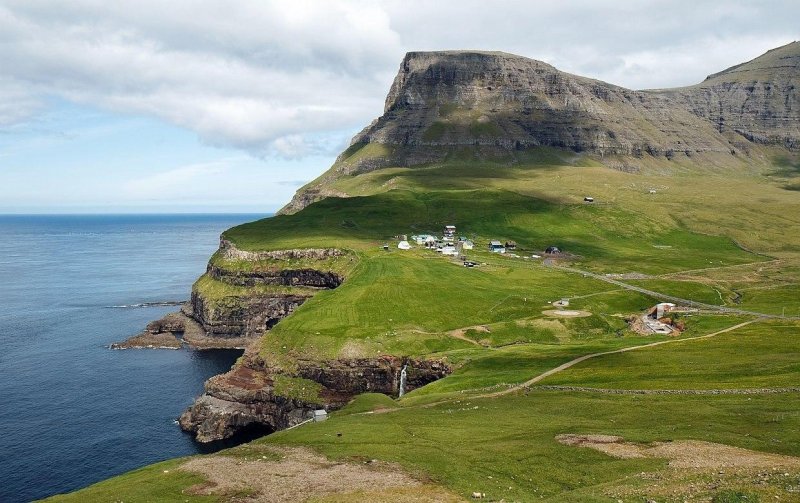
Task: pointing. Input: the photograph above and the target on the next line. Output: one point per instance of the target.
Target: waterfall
(402, 382)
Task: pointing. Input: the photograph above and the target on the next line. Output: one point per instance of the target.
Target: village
(449, 244)
(660, 319)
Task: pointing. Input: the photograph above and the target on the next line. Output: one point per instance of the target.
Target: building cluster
(449, 243)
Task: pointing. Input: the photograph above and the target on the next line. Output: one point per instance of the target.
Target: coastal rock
(176, 329)
(229, 251)
(243, 317)
(248, 394)
(284, 277)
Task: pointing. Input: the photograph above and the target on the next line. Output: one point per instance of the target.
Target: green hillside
(524, 376)
(722, 238)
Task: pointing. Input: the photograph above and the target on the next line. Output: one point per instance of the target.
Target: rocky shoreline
(270, 285)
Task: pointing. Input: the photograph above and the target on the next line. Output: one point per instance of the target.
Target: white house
(403, 245)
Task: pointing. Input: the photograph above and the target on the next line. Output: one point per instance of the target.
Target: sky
(147, 106)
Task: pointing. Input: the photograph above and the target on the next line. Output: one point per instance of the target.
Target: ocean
(72, 411)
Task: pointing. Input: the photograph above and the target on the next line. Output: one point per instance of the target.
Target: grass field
(724, 238)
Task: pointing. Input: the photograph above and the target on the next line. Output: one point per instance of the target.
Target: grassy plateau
(727, 237)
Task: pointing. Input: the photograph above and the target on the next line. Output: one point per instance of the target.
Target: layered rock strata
(497, 105)
(250, 393)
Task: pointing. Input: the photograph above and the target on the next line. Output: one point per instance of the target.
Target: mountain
(759, 100)
(646, 306)
(498, 105)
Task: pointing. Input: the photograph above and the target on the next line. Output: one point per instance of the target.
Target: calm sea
(73, 412)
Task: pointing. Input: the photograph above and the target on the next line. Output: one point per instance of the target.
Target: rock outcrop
(234, 321)
(253, 393)
(243, 317)
(499, 105)
(759, 100)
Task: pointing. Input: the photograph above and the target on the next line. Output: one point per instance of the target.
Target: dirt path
(583, 358)
(459, 333)
(704, 269)
(658, 295)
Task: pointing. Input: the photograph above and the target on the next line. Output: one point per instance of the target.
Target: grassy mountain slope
(715, 228)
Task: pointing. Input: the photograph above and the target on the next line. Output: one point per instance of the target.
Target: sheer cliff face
(759, 100)
(498, 104)
(496, 99)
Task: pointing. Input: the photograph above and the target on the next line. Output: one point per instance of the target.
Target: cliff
(254, 393)
(759, 99)
(498, 105)
(241, 296)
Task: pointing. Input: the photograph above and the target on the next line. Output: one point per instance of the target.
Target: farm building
(496, 247)
(449, 232)
(467, 244)
(404, 245)
(660, 310)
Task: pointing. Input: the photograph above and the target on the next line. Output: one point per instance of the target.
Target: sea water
(72, 411)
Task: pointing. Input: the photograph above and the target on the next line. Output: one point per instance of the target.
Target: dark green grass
(764, 354)
(783, 300)
(605, 237)
(698, 292)
(505, 447)
(405, 303)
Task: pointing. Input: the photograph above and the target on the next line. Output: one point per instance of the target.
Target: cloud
(290, 79)
(249, 77)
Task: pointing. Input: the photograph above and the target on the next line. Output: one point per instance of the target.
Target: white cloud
(280, 78)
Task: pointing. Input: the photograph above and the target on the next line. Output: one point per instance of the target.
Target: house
(449, 249)
(404, 245)
(496, 247)
(449, 233)
(660, 310)
(467, 245)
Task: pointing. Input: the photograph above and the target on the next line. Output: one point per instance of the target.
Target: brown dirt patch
(299, 475)
(684, 453)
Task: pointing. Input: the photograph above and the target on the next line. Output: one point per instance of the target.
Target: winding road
(700, 305)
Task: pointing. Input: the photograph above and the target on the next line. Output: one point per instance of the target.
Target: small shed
(588, 199)
(320, 415)
(552, 250)
(511, 245)
(496, 247)
(404, 245)
(467, 244)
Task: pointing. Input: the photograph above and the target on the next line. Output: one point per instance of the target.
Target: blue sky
(78, 159)
(209, 106)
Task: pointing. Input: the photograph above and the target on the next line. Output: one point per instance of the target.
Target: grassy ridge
(690, 238)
